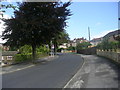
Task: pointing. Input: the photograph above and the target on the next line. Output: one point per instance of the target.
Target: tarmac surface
(97, 72)
(48, 74)
(17, 67)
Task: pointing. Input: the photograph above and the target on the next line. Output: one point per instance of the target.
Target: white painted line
(74, 75)
(18, 69)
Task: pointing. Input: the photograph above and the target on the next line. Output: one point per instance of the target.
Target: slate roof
(9, 53)
(96, 40)
(117, 32)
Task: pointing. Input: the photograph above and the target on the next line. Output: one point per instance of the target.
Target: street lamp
(52, 48)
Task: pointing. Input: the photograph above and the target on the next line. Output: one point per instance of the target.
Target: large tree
(36, 23)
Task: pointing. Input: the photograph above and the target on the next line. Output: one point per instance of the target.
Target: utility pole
(89, 33)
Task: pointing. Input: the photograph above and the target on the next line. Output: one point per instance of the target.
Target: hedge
(22, 58)
(19, 58)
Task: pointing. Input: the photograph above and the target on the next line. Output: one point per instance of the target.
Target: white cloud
(101, 34)
(98, 23)
(2, 26)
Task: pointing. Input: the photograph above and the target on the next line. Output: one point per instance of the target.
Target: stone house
(112, 36)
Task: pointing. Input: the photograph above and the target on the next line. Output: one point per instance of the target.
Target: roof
(9, 53)
(96, 39)
(80, 38)
(112, 33)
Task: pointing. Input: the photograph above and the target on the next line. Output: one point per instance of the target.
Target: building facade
(95, 41)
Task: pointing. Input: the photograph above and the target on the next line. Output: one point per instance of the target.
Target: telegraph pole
(89, 33)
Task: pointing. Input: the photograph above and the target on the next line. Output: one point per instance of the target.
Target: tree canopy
(36, 23)
(83, 45)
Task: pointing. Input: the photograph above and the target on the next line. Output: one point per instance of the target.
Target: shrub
(26, 49)
(40, 54)
(71, 48)
(107, 45)
(18, 58)
(83, 45)
(60, 49)
(42, 49)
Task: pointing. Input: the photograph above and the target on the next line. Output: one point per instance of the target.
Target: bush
(106, 45)
(19, 58)
(26, 49)
(42, 49)
(83, 45)
(40, 55)
(60, 49)
(71, 48)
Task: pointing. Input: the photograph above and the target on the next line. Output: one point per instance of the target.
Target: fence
(110, 54)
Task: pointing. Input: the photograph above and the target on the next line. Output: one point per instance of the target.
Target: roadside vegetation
(35, 25)
(83, 45)
(107, 45)
(25, 53)
(71, 48)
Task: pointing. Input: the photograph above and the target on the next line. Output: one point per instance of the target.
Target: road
(97, 72)
(53, 74)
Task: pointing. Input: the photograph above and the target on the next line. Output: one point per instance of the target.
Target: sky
(100, 17)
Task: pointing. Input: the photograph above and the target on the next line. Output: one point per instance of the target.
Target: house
(76, 41)
(73, 43)
(80, 40)
(64, 45)
(112, 36)
(95, 41)
(3, 47)
(7, 56)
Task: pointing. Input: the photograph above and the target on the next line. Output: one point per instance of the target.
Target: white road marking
(74, 75)
(18, 69)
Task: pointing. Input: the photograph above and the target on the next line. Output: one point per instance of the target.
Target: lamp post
(52, 49)
(75, 46)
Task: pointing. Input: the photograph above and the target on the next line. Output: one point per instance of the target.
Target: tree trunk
(33, 52)
(49, 46)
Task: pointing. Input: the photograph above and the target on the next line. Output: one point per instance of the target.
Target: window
(9, 57)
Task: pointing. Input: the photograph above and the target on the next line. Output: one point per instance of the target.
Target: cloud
(2, 26)
(98, 23)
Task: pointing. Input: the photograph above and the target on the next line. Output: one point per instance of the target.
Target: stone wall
(109, 54)
(88, 51)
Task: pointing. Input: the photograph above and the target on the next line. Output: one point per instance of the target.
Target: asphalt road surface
(53, 74)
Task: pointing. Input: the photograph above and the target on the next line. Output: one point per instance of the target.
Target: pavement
(17, 67)
(96, 72)
(51, 74)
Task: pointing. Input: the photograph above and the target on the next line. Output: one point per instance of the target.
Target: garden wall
(88, 51)
(110, 54)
